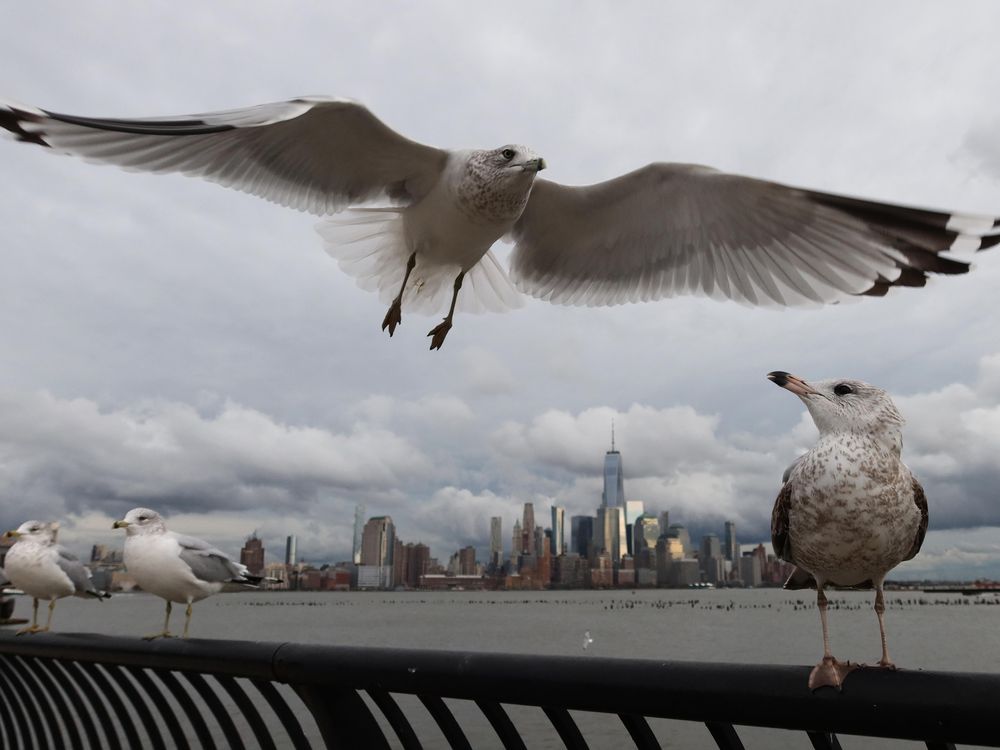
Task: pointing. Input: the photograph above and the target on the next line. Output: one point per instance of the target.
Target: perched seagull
(849, 510)
(175, 567)
(44, 570)
(660, 231)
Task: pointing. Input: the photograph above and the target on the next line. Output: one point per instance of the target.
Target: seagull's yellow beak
(12, 534)
(120, 524)
(792, 383)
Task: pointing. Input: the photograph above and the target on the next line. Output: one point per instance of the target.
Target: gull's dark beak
(534, 165)
(119, 524)
(792, 383)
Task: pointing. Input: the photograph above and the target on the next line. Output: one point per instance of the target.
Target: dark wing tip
(12, 119)
(989, 241)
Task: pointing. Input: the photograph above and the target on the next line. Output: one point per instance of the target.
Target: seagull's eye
(507, 153)
(843, 389)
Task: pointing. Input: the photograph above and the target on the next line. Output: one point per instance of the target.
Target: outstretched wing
(208, 563)
(920, 500)
(313, 154)
(671, 229)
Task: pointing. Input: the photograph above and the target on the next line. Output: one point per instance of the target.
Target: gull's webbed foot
(830, 673)
(394, 317)
(439, 332)
(31, 629)
(886, 664)
(154, 636)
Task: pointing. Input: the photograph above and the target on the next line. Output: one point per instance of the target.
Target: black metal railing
(91, 691)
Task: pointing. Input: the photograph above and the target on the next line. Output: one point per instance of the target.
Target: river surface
(926, 631)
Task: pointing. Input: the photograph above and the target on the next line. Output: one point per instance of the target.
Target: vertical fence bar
(396, 718)
(446, 721)
(343, 718)
(30, 691)
(248, 710)
(122, 717)
(280, 707)
(128, 684)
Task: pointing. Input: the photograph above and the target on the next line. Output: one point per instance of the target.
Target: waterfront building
(645, 533)
(528, 530)
(416, 563)
(750, 570)
(291, 551)
(581, 535)
(359, 525)
(467, 561)
(496, 542)
(569, 571)
(516, 543)
(609, 531)
(678, 531)
(280, 575)
(731, 548)
(377, 546)
(252, 555)
(602, 573)
(558, 530)
(711, 561)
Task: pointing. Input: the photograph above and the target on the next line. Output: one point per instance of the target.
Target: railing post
(343, 718)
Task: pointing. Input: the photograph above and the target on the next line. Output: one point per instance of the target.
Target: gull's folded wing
(670, 229)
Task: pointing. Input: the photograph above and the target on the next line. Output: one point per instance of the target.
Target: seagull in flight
(849, 510)
(175, 567)
(43, 569)
(417, 223)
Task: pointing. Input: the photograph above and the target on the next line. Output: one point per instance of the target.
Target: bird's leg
(880, 613)
(395, 315)
(441, 330)
(48, 620)
(829, 671)
(165, 633)
(187, 620)
(33, 627)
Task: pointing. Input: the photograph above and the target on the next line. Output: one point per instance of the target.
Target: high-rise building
(633, 509)
(467, 561)
(614, 478)
(291, 550)
(359, 524)
(645, 532)
(581, 535)
(516, 542)
(678, 531)
(252, 555)
(731, 548)
(377, 546)
(528, 529)
(558, 530)
(711, 560)
(609, 531)
(496, 542)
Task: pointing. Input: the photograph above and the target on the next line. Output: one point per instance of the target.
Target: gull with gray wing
(43, 569)
(423, 220)
(849, 510)
(176, 567)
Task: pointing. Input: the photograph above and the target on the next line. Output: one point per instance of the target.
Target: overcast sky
(173, 344)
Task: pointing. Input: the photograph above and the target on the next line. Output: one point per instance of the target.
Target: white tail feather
(370, 245)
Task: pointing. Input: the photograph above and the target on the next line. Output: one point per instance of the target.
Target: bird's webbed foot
(162, 634)
(393, 317)
(439, 332)
(31, 630)
(830, 673)
(886, 664)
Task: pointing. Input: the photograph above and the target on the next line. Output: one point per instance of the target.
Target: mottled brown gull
(659, 231)
(43, 569)
(849, 510)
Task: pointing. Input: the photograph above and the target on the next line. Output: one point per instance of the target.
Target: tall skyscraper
(731, 547)
(614, 478)
(558, 530)
(291, 550)
(581, 534)
(633, 509)
(252, 555)
(359, 525)
(528, 529)
(609, 531)
(496, 541)
(516, 542)
(377, 545)
(645, 532)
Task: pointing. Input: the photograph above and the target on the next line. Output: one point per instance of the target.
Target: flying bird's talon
(830, 673)
(439, 332)
(393, 318)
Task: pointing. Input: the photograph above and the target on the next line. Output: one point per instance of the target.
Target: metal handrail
(184, 693)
